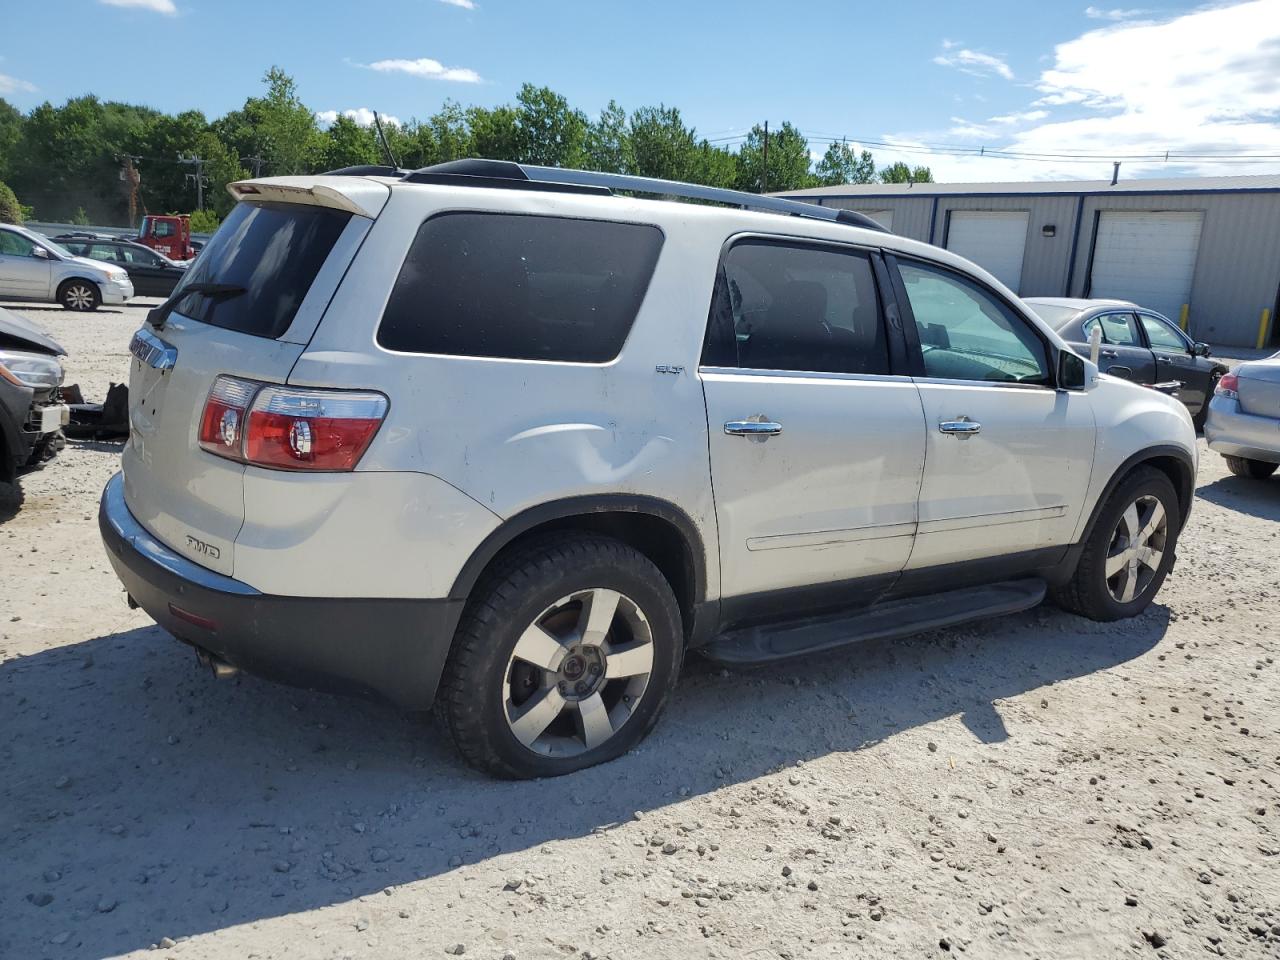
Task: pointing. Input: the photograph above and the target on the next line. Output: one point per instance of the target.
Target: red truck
(170, 235)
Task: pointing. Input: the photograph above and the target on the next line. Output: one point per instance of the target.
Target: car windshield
(1054, 314)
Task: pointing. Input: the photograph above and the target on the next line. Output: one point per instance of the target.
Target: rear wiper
(158, 315)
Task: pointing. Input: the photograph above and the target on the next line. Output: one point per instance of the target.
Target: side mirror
(40, 253)
(1075, 372)
(1200, 349)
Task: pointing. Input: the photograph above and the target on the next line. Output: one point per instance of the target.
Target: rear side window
(520, 287)
(782, 305)
(273, 251)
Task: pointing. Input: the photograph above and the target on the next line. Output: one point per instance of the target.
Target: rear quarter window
(520, 287)
(273, 251)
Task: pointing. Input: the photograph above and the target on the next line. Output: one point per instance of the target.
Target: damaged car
(32, 413)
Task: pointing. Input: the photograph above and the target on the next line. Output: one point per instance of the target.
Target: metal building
(1205, 252)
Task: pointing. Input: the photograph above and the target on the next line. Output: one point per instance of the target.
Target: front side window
(143, 258)
(782, 305)
(1119, 329)
(1162, 335)
(163, 228)
(16, 245)
(968, 334)
(520, 287)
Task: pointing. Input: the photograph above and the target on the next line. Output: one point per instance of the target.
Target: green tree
(840, 165)
(204, 221)
(347, 144)
(662, 145)
(899, 172)
(278, 127)
(495, 133)
(788, 160)
(608, 143)
(714, 166)
(10, 209)
(10, 134)
(551, 132)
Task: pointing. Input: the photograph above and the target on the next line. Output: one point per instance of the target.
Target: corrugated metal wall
(910, 214)
(1237, 273)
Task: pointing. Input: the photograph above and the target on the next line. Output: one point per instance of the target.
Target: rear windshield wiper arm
(158, 315)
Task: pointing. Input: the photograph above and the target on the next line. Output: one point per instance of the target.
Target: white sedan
(1244, 418)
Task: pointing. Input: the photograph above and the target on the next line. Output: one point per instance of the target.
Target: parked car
(152, 274)
(1244, 418)
(31, 411)
(1137, 344)
(475, 439)
(33, 267)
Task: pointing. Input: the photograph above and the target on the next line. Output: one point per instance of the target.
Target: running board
(881, 621)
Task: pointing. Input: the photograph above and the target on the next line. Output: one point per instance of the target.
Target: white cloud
(1097, 13)
(426, 67)
(464, 4)
(158, 6)
(972, 61)
(10, 84)
(361, 115)
(1203, 82)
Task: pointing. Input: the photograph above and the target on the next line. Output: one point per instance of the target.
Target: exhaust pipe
(220, 669)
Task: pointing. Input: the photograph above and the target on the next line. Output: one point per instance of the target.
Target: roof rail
(511, 175)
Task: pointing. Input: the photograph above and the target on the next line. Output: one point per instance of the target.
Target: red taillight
(290, 428)
(1228, 386)
(222, 422)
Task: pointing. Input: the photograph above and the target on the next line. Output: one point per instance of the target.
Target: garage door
(994, 241)
(882, 217)
(1148, 258)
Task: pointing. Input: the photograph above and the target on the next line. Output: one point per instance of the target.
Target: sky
(920, 82)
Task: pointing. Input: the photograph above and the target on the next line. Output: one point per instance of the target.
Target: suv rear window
(274, 251)
(520, 287)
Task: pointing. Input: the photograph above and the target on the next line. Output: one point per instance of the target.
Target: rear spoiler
(364, 198)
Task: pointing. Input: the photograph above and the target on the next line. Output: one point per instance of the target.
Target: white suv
(511, 439)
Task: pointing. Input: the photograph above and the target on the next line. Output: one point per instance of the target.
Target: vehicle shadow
(141, 799)
(1257, 498)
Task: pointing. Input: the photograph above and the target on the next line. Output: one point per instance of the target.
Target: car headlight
(120, 277)
(30, 369)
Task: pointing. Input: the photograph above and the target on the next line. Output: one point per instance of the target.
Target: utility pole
(764, 174)
(129, 175)
(256, 162)
(198, 178)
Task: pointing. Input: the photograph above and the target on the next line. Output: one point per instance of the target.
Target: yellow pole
(1263, 325)
(1182, 321)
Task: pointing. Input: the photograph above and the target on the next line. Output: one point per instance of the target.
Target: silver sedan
(1244, 418)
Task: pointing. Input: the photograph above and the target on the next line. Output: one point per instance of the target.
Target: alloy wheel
(1137, 547)
(578, 672)
(78, 297)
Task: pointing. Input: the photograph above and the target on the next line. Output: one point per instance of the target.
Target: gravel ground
(1038, 786)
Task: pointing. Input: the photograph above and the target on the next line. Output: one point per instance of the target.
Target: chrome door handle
(964, 426)
(752, 428)
(1110, 353)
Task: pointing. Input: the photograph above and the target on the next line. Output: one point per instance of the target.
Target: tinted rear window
(520, 287)
(274, 251)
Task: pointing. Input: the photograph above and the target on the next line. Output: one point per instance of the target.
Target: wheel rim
(578, 672)
(1137, 548)
(79, 297)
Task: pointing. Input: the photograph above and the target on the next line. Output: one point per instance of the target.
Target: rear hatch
(1260, 388)
(283, 250)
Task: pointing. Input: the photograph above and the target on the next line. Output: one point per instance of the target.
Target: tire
(574, 703)
(79, 295)
(1090, 592)
(1251, 469)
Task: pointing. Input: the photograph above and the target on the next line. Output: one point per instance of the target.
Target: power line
(198, 178)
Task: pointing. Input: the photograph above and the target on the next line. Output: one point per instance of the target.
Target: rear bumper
(394, 649)
(1236, 434)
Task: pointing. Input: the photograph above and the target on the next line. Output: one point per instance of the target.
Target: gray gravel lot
(1039, 786)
